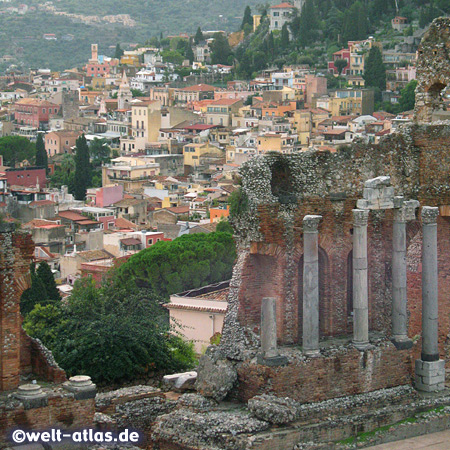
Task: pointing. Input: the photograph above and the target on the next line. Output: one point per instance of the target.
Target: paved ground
(436, 441)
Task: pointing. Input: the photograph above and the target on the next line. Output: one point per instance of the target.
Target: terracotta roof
(222, 309)
(37, 223)
(124, 223)
(42, 203)
(130, 241)
(177, 209)
(128, 202)
(199, 88)
(283, 5)
(336, 132)
(70, 215)
(93, 255)
(35, 102)
(225, 101)
(87, 222)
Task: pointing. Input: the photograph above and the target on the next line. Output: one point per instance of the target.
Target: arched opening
(324, 309)
(436, 94)
(281, 180)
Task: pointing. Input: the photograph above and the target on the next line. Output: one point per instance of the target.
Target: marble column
(360, 280)
(311, 285)
(430, 351)
(430, 370)
(403, 212)
(269, 355)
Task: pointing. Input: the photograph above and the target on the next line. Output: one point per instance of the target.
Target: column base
(362, 346)
(273, 361)
(311, 353)
(402, 343)
(430, 375)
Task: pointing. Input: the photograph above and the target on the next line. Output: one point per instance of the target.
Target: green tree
(113, 333)
(355, 24)
(248, 18)
(198, 36)
(223, 226)
(48, 280)
(220, 49)
(374, 70)
(41, 154)
(100, 152)
(172, 56)
(340, 65)
(408, 96)
(16, 149)
(36, 294)
(308, 24)
(82, 168)
(188, 262)
(118, 52)
(189, 54)
(284, 40)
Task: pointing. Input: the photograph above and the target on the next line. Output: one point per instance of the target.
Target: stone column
(311, 285)
(360, 283)
(403, 212)
(269, 355)
(430, 370)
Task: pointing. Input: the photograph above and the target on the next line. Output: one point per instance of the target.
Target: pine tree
(41, 154)
(220, 49)
(248, 18)
(82, 168)
(308, 24)
(46, 276)
(374, 70)
(271, 46)
(198, 36)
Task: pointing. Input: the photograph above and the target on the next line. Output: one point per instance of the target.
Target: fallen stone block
(181, 382)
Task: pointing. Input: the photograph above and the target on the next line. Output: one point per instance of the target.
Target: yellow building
(130, 59)
(98, 83)
(256, 21)
(193, 152)
(305, 122)
(277, 142)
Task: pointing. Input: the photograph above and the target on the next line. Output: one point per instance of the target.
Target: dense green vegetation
(188, 262)
(120, 330)
(22, 35)
(16, 149)
(113, 333)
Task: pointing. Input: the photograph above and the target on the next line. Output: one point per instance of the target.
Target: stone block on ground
(215, 376)
(181, 382)
(273, 409)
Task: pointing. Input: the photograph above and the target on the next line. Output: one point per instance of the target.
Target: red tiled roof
(70, 215)
(42, 203)
(130, 241)
(87, 222)
(199, 88)
(177, 209)
(283, 5)
(218, 309)
(124, 223)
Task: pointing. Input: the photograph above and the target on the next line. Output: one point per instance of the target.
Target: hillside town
(214, 253)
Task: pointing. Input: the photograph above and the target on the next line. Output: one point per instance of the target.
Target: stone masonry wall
(270, 259)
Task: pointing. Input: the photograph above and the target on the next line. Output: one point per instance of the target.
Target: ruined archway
(433, 72)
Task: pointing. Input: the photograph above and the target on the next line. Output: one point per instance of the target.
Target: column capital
(311, 223)
(405, 211)
(360, 217)
(430, 214)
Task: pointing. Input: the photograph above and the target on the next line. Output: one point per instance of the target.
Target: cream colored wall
(197, 326)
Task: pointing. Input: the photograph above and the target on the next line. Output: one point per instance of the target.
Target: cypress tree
(119, 52)
(198, 36)
(284, 43)
(82, 168)
(248, 18)
(41, 154)
(46, 276)
(189, 54)
(374, 70)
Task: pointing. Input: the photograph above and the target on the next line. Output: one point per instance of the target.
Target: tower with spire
(124, 96)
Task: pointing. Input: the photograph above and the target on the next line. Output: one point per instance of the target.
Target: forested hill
(78, 23)
(21, 35)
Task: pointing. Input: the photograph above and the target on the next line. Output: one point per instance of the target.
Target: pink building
(107, 195)
(341, 54)
(34, 112)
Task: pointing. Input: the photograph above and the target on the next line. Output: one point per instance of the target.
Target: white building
(280, 14)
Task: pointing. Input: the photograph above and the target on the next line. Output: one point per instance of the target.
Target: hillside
(21, 35)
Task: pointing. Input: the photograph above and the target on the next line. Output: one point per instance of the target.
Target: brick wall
(346, 372)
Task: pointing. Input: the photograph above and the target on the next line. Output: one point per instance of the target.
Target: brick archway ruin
(433, 72)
